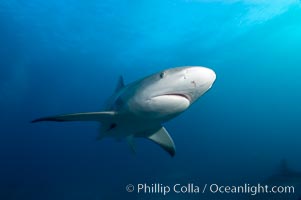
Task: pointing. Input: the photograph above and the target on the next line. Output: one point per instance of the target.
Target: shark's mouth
(180, 95)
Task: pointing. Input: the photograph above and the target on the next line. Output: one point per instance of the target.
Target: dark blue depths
(65, 56)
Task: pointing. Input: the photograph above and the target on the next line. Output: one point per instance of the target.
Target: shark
(139, 109)
(284, 176)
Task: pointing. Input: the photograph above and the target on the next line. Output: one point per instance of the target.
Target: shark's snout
(202, 75)
(211, 76)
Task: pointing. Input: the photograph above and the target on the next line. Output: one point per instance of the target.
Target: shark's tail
(160, 136)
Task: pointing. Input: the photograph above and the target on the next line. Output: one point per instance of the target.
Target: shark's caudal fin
(162, 138)
(89, 116)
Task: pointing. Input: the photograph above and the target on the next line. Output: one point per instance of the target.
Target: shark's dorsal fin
(88, 116)
(283, 167)
(120, 84)
(162, 138)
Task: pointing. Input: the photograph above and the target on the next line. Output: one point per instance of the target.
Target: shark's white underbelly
(160, 108)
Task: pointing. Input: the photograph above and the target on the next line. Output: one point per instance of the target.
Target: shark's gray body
(140, 108)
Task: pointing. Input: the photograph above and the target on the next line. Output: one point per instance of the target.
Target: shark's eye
(162, 75)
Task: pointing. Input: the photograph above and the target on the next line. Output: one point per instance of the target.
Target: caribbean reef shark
(286, 178)
(139, 109)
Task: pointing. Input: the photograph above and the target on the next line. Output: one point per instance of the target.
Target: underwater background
(65, 56)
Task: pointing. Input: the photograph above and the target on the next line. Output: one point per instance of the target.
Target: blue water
(64, 56)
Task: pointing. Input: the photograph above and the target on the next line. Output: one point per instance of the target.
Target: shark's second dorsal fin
(120, 84)
(162, 138)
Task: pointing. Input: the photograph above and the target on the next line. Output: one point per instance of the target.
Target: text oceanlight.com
(191, 188)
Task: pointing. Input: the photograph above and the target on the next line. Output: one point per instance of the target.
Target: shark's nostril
(193, 83)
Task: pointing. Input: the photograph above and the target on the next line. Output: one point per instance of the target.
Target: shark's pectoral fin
(89, 116)
(162, 138)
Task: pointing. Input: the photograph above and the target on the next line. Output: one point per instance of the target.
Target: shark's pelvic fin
(88, 116)
(120, 84)
(162, 138)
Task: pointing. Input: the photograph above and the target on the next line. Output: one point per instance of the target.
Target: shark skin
(139, 109)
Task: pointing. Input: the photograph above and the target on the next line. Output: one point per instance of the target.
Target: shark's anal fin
(89, 116)
(162, 138)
